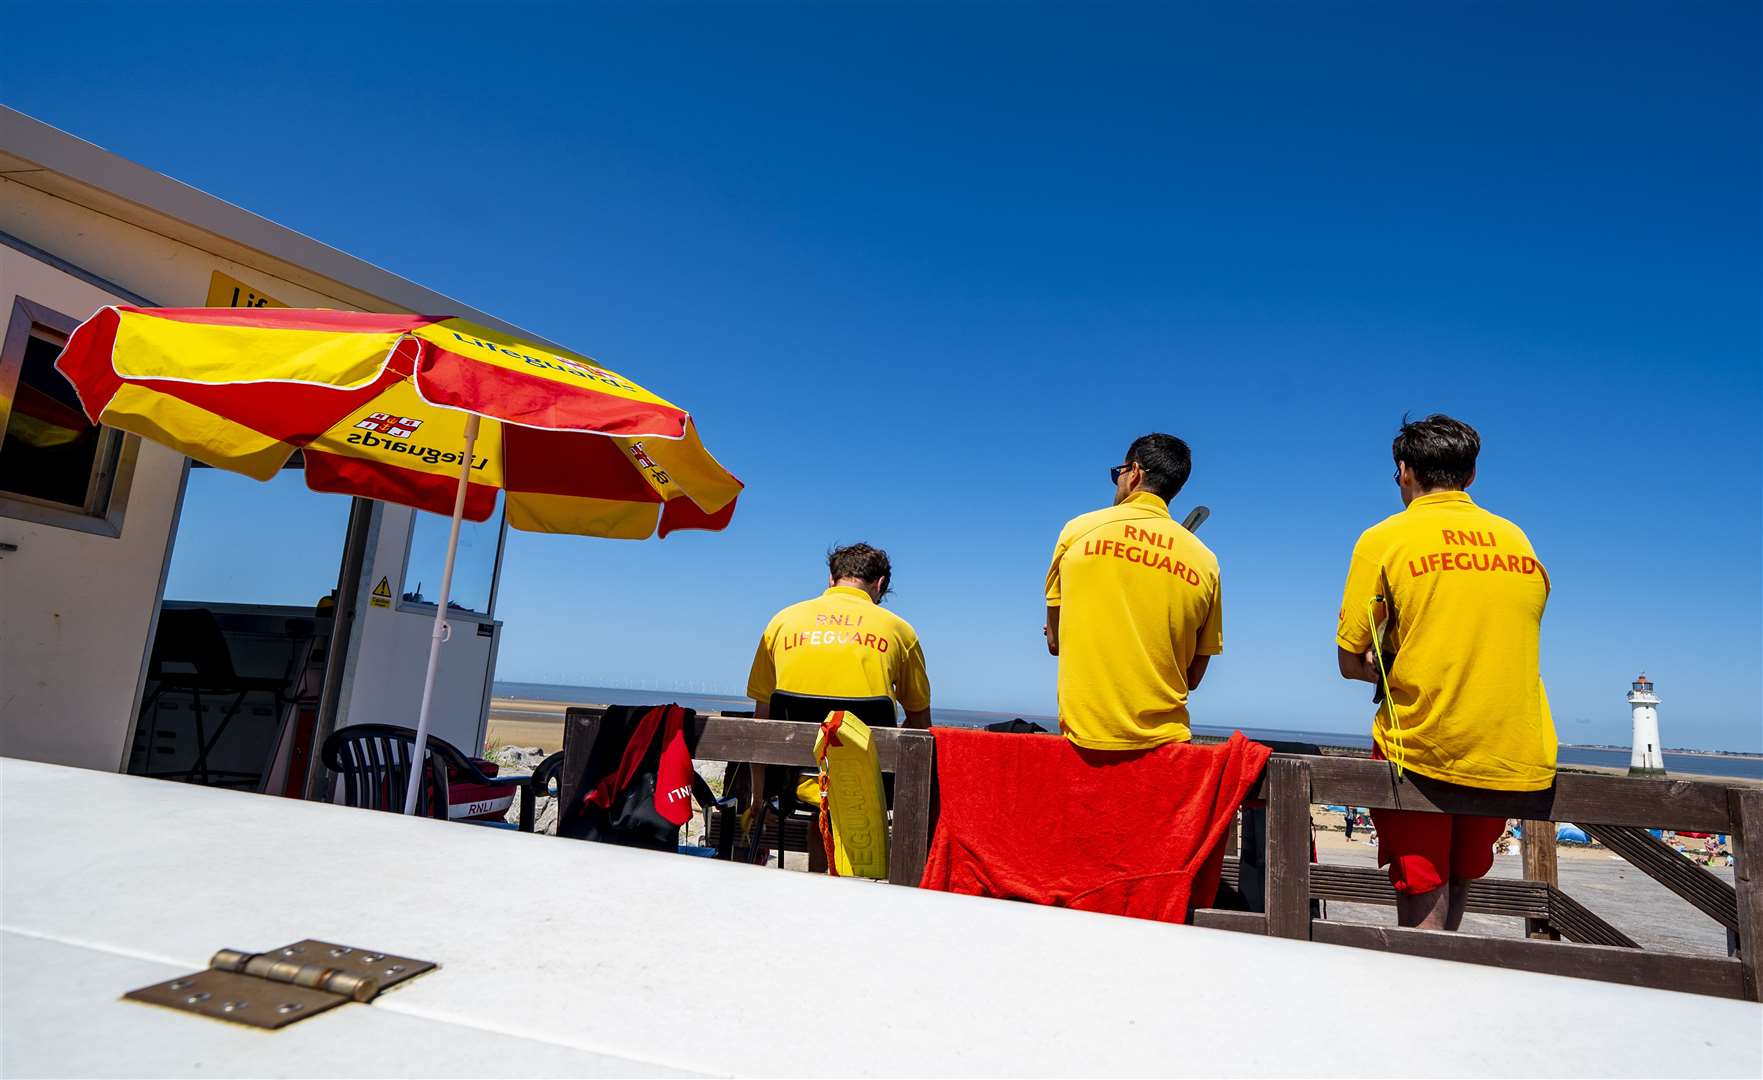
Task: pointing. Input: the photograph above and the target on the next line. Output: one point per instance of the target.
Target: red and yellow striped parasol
(577, 448)
(425, 411)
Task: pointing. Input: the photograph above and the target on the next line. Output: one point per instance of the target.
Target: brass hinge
(282, 986)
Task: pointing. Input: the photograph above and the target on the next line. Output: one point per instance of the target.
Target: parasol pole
(441, 631)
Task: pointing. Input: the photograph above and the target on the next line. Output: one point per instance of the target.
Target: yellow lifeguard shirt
(840, 644)
(1138, 599)
(1466, 596)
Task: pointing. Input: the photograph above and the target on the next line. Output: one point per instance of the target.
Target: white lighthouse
(1646, 759)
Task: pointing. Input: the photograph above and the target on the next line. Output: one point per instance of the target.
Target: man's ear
(881, 587)
(1469, 481)
(830, 580)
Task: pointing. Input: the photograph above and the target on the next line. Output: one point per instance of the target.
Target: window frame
(112, 477)
(427, 607)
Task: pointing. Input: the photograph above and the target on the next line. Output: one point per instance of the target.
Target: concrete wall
(76, 608)
(164, 271)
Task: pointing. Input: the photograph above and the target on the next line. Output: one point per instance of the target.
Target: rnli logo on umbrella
(655, 472)
(399, 427)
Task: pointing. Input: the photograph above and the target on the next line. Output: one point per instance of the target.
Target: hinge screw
(233, 1006)
(289, 1007)
(197, 998)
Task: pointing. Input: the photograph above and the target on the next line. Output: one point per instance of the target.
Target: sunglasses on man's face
(1114, 473)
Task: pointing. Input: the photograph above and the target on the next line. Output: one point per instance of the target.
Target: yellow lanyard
(1401, 750)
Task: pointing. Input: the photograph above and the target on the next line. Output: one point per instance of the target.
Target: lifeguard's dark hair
(862, 562)
(1440, 450)
(1166, 461)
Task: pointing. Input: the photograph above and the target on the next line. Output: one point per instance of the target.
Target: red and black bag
(639, 782)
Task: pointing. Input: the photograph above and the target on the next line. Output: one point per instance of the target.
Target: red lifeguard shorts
(1423, 851)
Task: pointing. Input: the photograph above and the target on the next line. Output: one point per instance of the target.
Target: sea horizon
(1735, 763)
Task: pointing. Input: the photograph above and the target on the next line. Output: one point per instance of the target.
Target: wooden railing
(908, 754)
(1616, 811)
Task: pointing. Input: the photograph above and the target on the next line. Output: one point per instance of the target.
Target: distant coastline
(540, 700)
(1743, 755)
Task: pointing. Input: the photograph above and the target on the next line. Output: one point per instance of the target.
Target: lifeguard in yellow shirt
(843, 643)
(1134, 610)
(1453, 597)
(840, 644)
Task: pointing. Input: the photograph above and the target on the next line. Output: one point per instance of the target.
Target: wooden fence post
(1288, 848)
(581, 728)
(914, 788)
(1538, 848)
(1747, 846)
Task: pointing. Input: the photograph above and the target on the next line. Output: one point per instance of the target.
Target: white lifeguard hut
(1646, 758)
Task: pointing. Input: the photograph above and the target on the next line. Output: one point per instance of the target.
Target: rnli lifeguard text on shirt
(1439, 562)
(851, 635)
(1139, 553)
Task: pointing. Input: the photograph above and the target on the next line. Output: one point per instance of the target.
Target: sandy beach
(520, 722)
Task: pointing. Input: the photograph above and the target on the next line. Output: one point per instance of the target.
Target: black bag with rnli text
(637, 786)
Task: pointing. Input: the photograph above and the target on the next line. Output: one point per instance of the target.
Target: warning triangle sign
(382, 593)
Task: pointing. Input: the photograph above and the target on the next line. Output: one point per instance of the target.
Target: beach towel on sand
(1035, 818)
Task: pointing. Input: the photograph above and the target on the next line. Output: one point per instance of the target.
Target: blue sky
(923, 272)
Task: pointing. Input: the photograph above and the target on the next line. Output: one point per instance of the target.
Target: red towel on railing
(1032, 817)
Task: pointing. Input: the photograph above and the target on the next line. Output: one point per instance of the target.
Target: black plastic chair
(373, 761)
(812, 708)
(538, 786)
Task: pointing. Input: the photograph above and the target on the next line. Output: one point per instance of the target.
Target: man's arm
(1356, 665)
(762, 676)
(1197, 671)
(912, 687)
(1354, 631)
(1054, 593)
(1209, 641)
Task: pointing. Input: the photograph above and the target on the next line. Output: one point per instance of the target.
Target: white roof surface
(566, 958)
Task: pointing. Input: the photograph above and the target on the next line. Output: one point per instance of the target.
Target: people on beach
(1442, 611)
(1134, 612)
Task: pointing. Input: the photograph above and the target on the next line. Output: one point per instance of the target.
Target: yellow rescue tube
(853, 809)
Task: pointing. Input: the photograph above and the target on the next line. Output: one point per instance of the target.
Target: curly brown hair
(861, 561)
